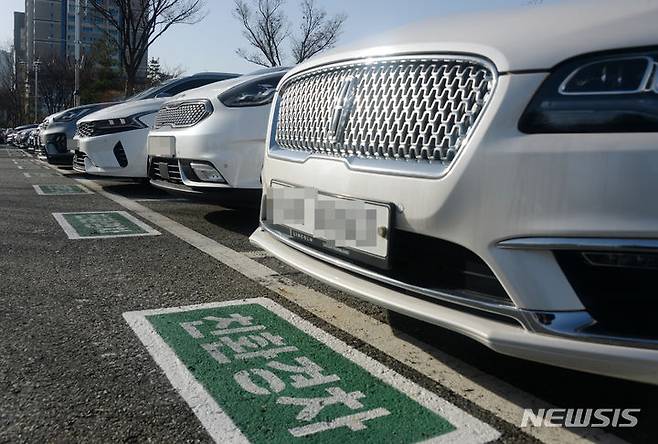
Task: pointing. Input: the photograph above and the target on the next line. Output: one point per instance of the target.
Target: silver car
(58, 130)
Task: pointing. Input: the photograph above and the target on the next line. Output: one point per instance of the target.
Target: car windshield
(150, 92)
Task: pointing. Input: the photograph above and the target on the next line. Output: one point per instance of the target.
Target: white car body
(228, 140)
(100, 158)
(515, 201)
(58, 130)
(122, 153)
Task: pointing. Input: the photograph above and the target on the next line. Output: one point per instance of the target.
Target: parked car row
(21, 136)
(112, 142)
(57, 132)
(481, 172)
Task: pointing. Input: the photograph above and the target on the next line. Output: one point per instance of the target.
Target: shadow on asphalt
(133, 190)
(243, 221)
(561, 387)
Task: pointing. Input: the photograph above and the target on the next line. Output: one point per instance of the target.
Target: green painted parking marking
(253, 371)
(102, 224)
(60, 190)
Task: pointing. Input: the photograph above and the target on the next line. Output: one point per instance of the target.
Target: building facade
(47, 30)
(20, 41)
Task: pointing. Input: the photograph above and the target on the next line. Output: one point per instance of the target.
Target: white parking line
(461, 378)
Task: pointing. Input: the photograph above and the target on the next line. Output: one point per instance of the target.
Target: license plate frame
(378, 257)
(162, 146)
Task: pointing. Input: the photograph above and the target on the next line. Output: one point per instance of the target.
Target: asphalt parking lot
(78, 365)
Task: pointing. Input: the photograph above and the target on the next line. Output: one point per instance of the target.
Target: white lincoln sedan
(208, 143)
(490, 172)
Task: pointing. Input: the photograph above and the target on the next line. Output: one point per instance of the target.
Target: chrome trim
(397, 167)
(79, 163)
(164, 185)
(651, 65)
(573, 325)
(502, 309)
(191, 183)
(342, 107)
(577, 325)
(580, 243)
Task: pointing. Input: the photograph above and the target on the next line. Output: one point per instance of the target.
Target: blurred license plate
(331, 222)
(162, 146)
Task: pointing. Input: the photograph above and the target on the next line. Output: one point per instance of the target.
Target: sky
(211, 44)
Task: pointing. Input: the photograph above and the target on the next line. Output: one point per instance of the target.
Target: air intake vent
(120, 154)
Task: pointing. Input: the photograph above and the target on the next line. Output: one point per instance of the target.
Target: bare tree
(317, 32)
(56, 84)
(12, 100)
(266, 29)
(139, 23)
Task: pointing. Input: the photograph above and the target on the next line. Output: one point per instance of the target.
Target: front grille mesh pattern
(181, 115)
(85, 129)
(413, 109)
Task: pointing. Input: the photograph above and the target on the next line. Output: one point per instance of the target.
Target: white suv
(208, 143)
(490, 173)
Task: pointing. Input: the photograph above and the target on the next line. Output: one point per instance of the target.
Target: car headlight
(118, 125)
(70, 116)
(610, 93)
(254, 93)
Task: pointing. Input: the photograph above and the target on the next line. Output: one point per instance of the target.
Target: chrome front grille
(85, 129)
(182, 114)
(416, 109)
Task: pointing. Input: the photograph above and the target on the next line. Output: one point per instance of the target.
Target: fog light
(207, 173)
(622, 260)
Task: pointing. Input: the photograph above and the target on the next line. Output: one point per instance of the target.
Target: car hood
(529, 37)
(125, 109)
(86, 109)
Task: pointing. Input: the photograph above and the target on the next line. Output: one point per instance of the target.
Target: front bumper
(504, 186)
(635, 364)
(115, 155)
(177, 177)
(55, 146)
(232, 141)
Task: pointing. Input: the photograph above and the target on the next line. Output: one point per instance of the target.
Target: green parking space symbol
(60, 190)
(253, 371)
(102, 224)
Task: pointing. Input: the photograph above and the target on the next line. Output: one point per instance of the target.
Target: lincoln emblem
(342, 107)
